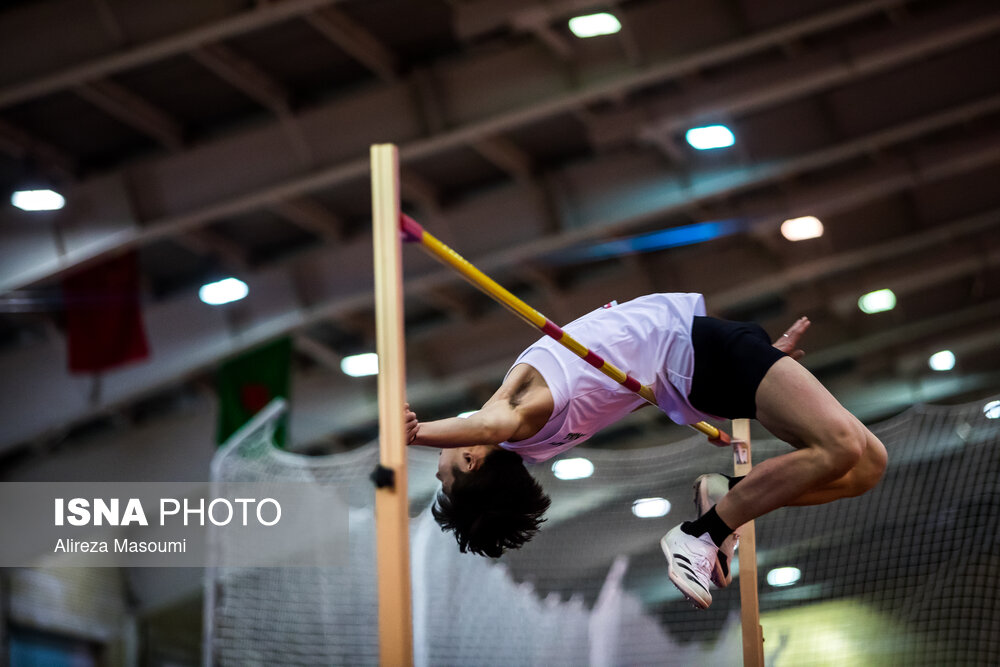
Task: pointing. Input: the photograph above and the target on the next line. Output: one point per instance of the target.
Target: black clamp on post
(383, 477)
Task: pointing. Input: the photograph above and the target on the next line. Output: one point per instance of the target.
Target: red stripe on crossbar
(411, 229)
(551, 329)
(593, 359)
(631, 383)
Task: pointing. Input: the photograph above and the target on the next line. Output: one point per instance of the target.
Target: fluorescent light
(578, 468)
(992, 410)
(710, 136)
(223, 291)
(784, 576)
(594, 25)
(650, 508)
(942, 361)
(360, 365)
(800, 229)
(877, 301)
(38, 200)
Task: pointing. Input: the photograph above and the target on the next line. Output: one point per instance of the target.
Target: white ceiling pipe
(262, 15)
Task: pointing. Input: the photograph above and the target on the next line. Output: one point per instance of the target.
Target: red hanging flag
(104, 316)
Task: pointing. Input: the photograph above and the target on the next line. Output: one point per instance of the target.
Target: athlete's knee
(869, 469)
(842, 445)
(872, 465)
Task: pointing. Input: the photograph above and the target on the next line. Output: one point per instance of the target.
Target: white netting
(85, 602)
(905, 574)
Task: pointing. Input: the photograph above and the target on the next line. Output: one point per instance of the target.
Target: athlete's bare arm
(518, 410)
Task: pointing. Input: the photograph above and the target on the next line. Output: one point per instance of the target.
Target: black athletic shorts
(730, 360)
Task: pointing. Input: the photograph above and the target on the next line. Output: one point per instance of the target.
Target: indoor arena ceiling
(230, 137)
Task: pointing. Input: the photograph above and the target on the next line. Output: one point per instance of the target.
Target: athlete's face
(465, 458)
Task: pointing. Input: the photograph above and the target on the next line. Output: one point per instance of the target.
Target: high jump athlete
(699, 368)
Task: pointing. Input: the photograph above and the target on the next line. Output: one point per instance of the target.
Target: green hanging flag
(249, 382)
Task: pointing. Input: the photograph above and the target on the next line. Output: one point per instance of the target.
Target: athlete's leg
(836, 455)
(858, 479)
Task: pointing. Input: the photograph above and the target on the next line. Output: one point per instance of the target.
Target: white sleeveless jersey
(649, 338)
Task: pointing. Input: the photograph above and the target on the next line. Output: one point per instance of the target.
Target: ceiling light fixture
(877, 302)
(38, 200)
(942, 361)
(360, 365)
(710, 136)
(223, 291)
(800, 229)
(578, 468)
(651, 508)
(594, 25)
(783, 576)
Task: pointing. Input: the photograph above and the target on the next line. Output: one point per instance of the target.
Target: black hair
(496, 507)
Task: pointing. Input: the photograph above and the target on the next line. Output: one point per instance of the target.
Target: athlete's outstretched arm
(493, 424)
(517, 410)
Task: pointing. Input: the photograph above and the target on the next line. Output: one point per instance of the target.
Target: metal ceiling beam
(443, 300)
(256, 84)
(905, 283)
(770, 86)
(131, 109)
(318, 352)
(356, 41)
(853, 261)
(955, 321)
(24, 146)
(109, 21)
(536, 20)
(475, 131)
(208, 242)
(506, 155)
(741, 179)
(630, 44)
(312, 216)
(719, 187)
(964, 346)
(242, 74)
(420, 191)
(160, 49)
(427, 100)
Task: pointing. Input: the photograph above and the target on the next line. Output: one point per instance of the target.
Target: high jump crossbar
(415, 233)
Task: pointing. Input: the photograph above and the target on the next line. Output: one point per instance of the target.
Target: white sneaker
(708, 491)
(690, 561)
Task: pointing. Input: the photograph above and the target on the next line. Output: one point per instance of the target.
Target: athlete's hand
(789, 341)
(411, 424)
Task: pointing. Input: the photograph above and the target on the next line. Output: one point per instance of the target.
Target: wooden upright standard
(753, 635)
(391, 506)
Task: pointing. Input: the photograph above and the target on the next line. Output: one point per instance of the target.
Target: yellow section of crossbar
(482, 281)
